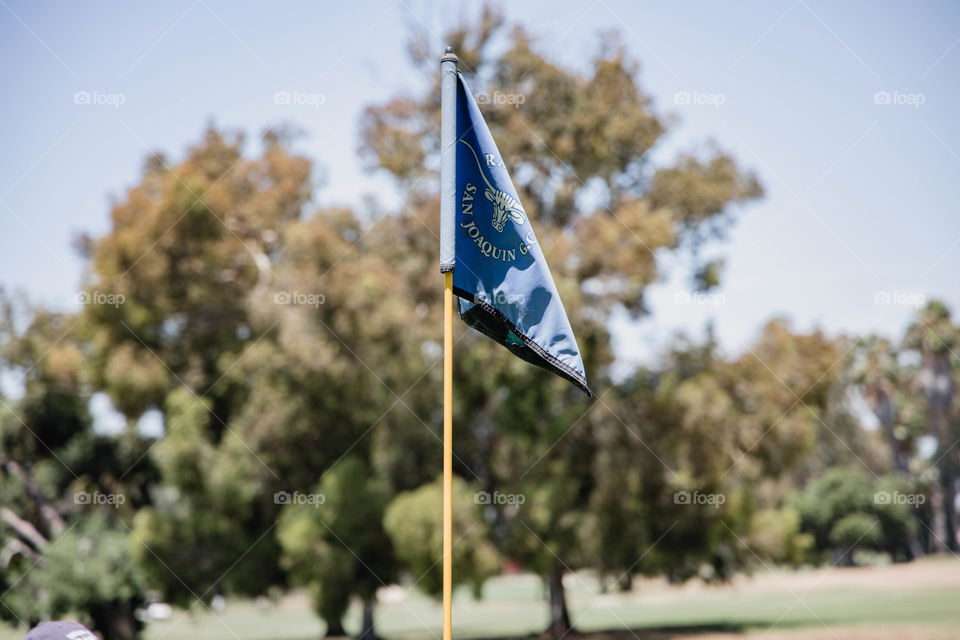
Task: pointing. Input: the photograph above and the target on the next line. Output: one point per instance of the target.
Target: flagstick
(447, 453)
(448, 134)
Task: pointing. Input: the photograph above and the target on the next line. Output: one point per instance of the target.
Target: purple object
(60, 630)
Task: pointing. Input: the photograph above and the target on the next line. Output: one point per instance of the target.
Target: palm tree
(878, 374)
(934, 337)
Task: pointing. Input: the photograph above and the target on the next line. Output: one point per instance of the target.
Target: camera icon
(881, 97)
(681, 97)
(81, 97)
(282, 97)
(81, 497)
(84, 297)
(482, 497)
(281, 497)
(282, 297)
(681, 497)
(882, 297)
(882, 497)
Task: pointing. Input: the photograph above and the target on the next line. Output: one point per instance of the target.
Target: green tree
(67, 492)
(415, 525)
(933, 336)
(846, 509)
(578, 149)
(273, 340)
(335, 544)
(187, 248)
(881, 378)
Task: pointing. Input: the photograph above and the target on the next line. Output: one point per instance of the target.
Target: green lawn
(924, 594)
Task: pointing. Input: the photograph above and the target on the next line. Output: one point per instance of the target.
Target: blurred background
(220, 321)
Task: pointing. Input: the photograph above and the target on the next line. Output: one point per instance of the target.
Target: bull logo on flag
(505, 206)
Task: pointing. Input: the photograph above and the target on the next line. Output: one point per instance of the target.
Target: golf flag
(501, 278)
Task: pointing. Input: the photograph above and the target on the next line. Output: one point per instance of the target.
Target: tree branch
(23, 527)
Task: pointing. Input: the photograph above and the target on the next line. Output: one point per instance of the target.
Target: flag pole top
(449, 55)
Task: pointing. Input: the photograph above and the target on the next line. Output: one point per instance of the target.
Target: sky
(846, 112)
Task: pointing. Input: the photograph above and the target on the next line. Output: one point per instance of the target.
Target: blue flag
(502, 281)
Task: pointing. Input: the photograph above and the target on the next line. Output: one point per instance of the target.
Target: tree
(880, 376)
(693, 459)
(415, 526)
(846, 510)
(335, 543)
(886, 387)
(273, 341)
(68, 492)
(575, 133)
(187, 247)
(933, 335)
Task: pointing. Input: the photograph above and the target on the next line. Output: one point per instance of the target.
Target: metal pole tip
(448, 54)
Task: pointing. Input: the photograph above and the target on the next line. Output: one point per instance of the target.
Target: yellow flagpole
(447, 454)
(448, 134)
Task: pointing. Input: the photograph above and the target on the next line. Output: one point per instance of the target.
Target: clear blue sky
(862, 198)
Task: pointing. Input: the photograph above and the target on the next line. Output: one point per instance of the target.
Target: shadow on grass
(643, 633)
(663, 632)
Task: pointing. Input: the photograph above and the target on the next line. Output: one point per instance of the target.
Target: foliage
(414, 523)
(336, 543)
(847, 509)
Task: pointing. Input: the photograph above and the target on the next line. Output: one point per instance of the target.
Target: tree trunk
(949, 501)
(335, 629)
(944, 489)
(843, 557)
(115, 620)
(884, 410)
(938, 384)
(367, 632)
(559, 616)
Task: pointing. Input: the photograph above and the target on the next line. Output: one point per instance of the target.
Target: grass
(918, 600)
